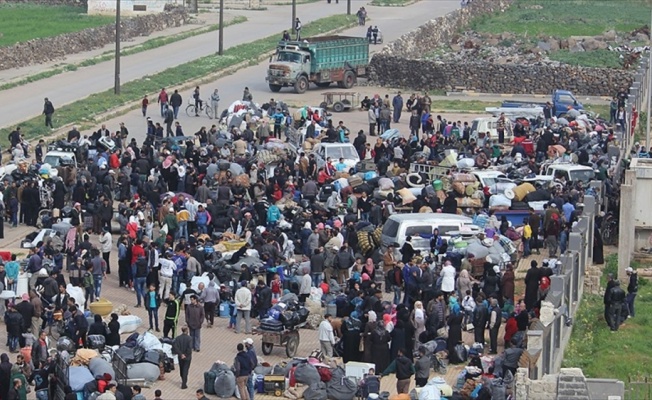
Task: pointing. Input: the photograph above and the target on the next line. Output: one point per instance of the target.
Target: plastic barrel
(224, 310)
(438, 185)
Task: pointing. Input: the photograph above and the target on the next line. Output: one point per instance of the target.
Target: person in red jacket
(137, 250)
(510, 328)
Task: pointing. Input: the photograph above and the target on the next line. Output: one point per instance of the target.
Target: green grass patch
(594, 59)
(84, 111)
(23, 22)
(110, 55)
(564, 18)
(623, 355)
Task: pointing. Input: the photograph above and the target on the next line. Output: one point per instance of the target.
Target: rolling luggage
(209, 381)
(152, 357)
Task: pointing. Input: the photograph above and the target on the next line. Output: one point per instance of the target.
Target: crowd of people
(176, 200)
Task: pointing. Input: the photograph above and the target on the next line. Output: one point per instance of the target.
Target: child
(277, 287)
(152, 303)
(88, 284)
(144, 105)
(38, 151)
(468, 305)
(527, 235)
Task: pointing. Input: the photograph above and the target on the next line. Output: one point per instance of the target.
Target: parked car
(335, 151)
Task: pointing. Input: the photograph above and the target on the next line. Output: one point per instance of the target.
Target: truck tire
(301, 85)
(323, 84)
(275, 88)
(349, 80)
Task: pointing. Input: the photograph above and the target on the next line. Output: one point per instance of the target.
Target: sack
(316, 391)
(303, 314)
(78, 377)
(96, 342)
(442, 333)
(152, 357)
(99, 367)
(66, 344)
(263, 369)
(341, 387)
(498, 389)
(430, 392)
(209, 382)
(325, 374)
(459, 355)
(145, 371)
(307, 374)
(271, 325)
(224, 384)
(149, 341)
(129, 323)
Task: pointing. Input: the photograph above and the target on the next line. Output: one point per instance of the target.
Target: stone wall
(47, 49)
(395, 71)
(401, 64)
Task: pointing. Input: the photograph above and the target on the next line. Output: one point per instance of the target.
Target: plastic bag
(129, 323)
(149, 341)
(307, 374)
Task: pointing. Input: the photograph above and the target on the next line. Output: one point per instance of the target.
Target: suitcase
(209, 381)
(152, 357)
(354, 181)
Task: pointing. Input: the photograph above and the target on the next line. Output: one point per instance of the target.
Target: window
(418, 230)
(584, 176)
(391, 228)
(346, 152)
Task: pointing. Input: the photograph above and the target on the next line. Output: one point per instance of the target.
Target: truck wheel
(338, 107)
(323, 84)
(349, 79)
(301, 85)
(275, 88)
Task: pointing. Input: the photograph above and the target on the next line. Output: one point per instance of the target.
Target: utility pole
(116, 84)
(220, 45)
(348, 7)
(294, 14)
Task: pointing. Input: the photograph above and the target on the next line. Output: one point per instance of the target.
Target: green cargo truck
(321, 60)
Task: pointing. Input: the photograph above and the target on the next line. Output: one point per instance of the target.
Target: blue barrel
(225, 310)
(260, 384)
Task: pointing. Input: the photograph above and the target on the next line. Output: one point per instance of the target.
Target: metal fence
(639, 388)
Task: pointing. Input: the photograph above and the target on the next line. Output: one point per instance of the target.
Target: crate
(274, 385)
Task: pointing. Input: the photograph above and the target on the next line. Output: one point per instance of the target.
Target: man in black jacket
(175, 102)
(182, 346)
(81, 325)
(606, 299)
(616, 301)
(404, 370)
(632, 290)
(317, 262)
(264, 298)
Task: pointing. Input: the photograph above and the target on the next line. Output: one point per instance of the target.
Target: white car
(335, 151)
(496, 181)
(42, 235)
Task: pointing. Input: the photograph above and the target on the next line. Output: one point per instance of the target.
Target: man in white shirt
(243, 307)
(165, 275)
(326, 337)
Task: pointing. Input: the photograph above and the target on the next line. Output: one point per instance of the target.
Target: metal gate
(61, 374)
(639, 388)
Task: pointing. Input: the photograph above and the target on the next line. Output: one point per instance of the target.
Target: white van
(420, 226)
(571, 172)
(488, 124)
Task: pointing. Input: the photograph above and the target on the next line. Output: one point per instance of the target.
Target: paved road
(62, 89)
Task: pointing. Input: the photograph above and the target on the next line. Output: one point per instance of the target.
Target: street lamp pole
(348, 7)
(220, 46)
(649, 98)
(294, 14)
(116, 84)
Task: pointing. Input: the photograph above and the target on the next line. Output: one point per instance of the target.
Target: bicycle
(191, 110)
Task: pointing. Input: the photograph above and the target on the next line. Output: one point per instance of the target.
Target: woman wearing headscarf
(113, 337)
(351, 334)
(464, 283)
(454, 325)
(5, 375)
(507, 283)
(398, 339)
(418, 320)
(366, 335)
(387, 321)
(379, 340)
(403, 315)
(369, 269)
(491, 281)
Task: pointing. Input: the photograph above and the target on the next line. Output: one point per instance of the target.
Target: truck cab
(563, 100)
